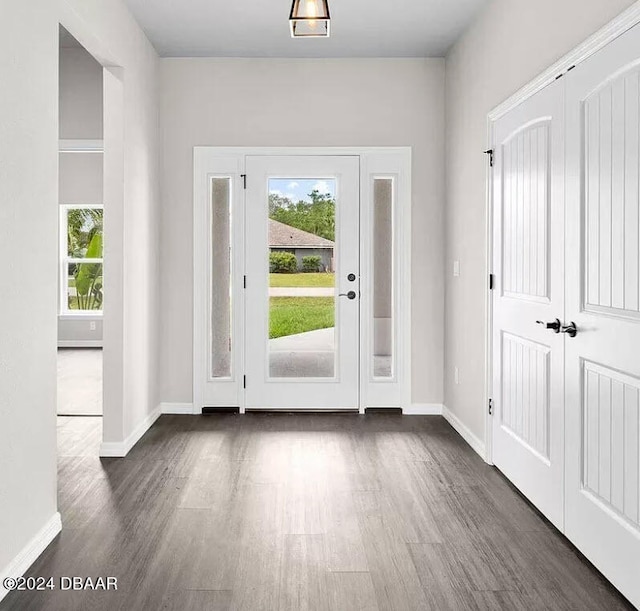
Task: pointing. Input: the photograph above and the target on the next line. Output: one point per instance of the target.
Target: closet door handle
(555, 325)
(571, 330)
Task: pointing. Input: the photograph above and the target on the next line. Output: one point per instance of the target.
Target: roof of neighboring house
(285, 236)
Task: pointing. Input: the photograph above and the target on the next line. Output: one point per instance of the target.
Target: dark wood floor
(297, 512)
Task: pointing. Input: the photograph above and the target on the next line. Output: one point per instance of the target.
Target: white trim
(488, 307)
(330, 151)
(30, 552)
(464, 431)
(423, 409)
(176, 408)
(621, 24)
(79, 343)
(81, 146)
(119, 449)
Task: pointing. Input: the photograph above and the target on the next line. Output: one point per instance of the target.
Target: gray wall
(80, 174)
(247, 102)
(507, 46)
(81, 105)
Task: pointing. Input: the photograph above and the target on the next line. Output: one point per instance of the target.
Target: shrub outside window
(81, 259)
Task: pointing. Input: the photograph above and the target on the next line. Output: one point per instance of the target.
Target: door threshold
(303, 410)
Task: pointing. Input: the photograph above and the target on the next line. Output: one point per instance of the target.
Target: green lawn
(320, 280)
(291, 315)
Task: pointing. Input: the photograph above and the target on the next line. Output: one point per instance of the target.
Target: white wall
(507, 46)
(80, 111)
(29, 215)
(291, 102)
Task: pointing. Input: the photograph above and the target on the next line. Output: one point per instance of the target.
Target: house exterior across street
(284, 238)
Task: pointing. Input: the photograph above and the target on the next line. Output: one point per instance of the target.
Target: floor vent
(384, 410)
(220, 410)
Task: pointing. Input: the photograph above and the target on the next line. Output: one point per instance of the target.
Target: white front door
(302, 282)
(528, 298)
(603, 300)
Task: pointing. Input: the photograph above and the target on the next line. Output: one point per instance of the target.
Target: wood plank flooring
(302, 512)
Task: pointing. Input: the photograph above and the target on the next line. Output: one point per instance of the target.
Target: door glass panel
(302, 300)
(382, 241)
(221, 277)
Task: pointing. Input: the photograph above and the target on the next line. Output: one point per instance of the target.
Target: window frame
(65, 260)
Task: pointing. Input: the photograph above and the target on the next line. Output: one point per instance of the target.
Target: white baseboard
(79, 343)
(30, 552)
(464, 432)
(423, 409)
(176, 408)
(118, 449)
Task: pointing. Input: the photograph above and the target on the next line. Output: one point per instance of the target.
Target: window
(81, 237)
(221, 276)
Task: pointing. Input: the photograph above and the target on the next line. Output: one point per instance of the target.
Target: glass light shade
(309, 19)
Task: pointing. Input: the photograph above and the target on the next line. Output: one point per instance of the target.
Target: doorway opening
(81, 243)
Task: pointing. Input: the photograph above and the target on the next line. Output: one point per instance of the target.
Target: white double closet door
(566, 237)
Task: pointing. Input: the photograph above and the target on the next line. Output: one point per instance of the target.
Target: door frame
(618, 26)
(375, 162)
(116, 204)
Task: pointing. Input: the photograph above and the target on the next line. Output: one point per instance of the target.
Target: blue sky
(297, 189)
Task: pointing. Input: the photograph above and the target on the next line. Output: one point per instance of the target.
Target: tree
(316, 216)
(82, 225)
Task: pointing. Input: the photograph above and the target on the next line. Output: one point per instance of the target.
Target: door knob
(555, 325)
(349, 295)
(571, 330)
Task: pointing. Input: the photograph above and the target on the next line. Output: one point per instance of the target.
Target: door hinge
(490, 407)
(244, 180)
(244, 381)
(490, 153)
(244, 282)
(492, 279)
(569, 69)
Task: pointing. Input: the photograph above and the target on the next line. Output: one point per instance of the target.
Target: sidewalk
(301, 291)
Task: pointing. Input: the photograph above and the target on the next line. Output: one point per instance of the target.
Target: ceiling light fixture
(309, 19)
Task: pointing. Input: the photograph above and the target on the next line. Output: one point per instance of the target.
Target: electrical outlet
(456, 268)
(92, 325)
(456, 375)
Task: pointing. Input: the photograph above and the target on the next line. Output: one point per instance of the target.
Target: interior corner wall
(509, 44)
(302, 102)
(29, 224)
(81, 95)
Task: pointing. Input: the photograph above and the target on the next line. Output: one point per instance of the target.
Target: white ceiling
(260, 28)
